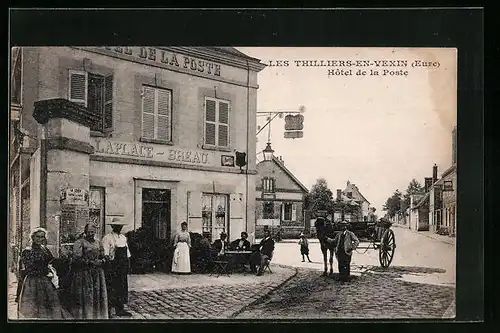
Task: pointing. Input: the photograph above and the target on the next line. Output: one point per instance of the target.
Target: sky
(377, 131)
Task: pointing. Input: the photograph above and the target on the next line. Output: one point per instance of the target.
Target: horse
(324, 231)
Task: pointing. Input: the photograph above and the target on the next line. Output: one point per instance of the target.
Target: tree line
(398, 202)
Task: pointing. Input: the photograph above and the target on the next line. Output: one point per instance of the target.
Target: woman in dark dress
(36, 294)
(89, 297)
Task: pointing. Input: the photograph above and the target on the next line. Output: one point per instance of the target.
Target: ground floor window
(215, 215)
(96, 210)
(289, 212)
(268, 210)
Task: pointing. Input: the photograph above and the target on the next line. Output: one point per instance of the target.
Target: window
(349, 195)
(216, 122)
(215, 215)
(268, 185)
(289, 212)
(95, 92)
(96, 210)
(268, 210)
(156, 113)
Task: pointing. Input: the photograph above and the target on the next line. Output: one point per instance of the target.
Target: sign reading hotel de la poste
(168, 59)
(160, 153)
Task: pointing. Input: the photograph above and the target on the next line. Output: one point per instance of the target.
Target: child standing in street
(304, 247)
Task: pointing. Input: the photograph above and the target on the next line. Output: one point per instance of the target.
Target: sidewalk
(429, 234)
(200, 296)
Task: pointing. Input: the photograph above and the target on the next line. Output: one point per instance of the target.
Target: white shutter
(294, 212)
(148, 112)
(210, 118)
(194, 207)
(78, 87)
(223, 120)
(164, 114)
(282, 212)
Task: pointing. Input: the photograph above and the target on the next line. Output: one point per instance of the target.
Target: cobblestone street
(207, 302)
(371, 295)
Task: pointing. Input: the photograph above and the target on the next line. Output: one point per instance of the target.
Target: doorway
(156, 212)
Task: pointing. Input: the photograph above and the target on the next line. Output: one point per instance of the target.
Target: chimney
(339, 194)
(428, 184)
(434, 173)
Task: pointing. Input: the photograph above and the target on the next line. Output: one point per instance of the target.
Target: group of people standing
(98, 273)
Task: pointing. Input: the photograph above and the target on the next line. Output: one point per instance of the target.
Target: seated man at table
(264, 253)
(220, 245)
(241, 244)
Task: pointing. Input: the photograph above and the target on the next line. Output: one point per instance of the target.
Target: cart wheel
(387, 247)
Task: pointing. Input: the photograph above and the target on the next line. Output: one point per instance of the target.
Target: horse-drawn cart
(376, 235)
(379, 236)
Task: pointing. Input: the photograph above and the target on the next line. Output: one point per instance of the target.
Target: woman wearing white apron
(181, 262)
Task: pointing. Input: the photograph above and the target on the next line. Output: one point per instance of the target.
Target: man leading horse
(342, 243)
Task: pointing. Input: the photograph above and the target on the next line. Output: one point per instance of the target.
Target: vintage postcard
(170, 182)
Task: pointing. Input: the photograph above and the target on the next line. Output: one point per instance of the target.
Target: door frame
(139, 184)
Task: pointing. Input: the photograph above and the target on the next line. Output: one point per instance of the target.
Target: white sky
(379, 132)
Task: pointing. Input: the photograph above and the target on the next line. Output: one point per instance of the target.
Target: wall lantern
(268, 152)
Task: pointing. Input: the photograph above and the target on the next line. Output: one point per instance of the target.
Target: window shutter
(273, 185)
(78, 85)
(164, 112)
(148, 112)
(210, 114)
(223, 139)
(283, 212)
(294, 212)
(108, 102)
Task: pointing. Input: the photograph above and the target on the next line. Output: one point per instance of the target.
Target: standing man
(117, 257)
(345, 241)
(264, 253)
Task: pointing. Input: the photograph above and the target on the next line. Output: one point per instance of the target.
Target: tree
(414, 187)
(393, 203)
(320, 197)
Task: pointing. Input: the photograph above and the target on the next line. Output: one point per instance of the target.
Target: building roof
(231, 50)
(422, 201)
(349, 184)
(289, 173)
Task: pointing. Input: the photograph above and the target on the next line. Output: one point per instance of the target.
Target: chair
(266, 264)
(220, 266)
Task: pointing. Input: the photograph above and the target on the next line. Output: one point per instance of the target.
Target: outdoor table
(233, 254)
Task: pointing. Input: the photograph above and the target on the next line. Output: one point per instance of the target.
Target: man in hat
(345, 242)
(264, 253)
(220, 245)
(117, 257)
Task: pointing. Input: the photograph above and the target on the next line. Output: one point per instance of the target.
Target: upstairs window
(95, 92)
(156, 113)
(268, 185)
(216, 122)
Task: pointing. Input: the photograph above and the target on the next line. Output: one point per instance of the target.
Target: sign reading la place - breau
(154, 152)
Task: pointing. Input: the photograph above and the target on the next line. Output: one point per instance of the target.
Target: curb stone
(259, 298)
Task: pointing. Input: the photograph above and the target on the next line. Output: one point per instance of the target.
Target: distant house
(279, 199)
(351, 205)
(419, 212)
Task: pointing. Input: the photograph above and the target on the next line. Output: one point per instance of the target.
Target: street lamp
(268, 152)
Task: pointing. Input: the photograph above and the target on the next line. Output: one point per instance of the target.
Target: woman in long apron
(117, 253)
(181, 262)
